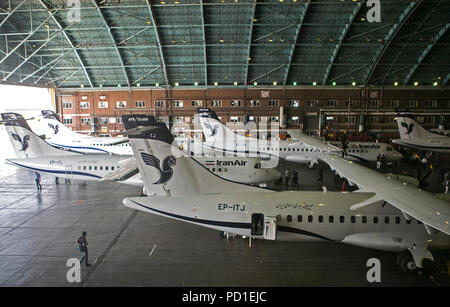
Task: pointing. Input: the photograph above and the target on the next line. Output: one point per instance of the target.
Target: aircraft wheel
(401, 256)
(407, 264)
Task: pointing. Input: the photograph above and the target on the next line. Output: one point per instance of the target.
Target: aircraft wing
(432, 211)
(127, 169)
(312, 142)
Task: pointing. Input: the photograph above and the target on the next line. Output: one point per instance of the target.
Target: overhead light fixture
(156, 84)
(416, 83)
(216, 83)
(333, 83)
(294, 83)
(354, 83)
(196, 83)
(177, 84)
(314, 83)
(275, 83)
(81, 85)
(119, 85)
(235, 83)
(396, 83)
(255, 83)
(435, 83)
(100, 85)
(249, 58)
(148, 21)
(138, 84)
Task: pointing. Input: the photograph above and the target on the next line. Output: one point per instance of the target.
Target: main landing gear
(406, 262)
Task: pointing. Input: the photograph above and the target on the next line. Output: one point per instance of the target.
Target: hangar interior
(330, 69)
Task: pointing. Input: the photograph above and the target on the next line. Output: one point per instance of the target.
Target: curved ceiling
(190, 43)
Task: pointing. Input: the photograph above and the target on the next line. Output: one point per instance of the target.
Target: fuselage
(92, 145)
(300, 216)
(439, 144)
(369, 151)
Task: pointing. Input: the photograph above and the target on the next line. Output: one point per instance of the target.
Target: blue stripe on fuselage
(79, 147)
(54, 171)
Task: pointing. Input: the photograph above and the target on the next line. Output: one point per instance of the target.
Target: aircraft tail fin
(165, 169)
(25, 142)
(50, 126)
(410, 129)
(214, 130)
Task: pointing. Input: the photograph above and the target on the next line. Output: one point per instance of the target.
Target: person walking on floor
(37, 179)
(82, 246)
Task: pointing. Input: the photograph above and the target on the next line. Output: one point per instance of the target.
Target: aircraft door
(68, 172)
(265, 227)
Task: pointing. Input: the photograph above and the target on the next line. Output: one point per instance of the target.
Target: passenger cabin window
(341, 219)
(331, 219)
(352, 219)
(320, 218)
(310, 218)
(386, 219)
(279, 219)
(375, 219)
(364, 219)
(299, 218)
(397, 220)
(289, 218)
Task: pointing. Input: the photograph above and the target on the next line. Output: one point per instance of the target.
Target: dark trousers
(85, 256)
(38, 184)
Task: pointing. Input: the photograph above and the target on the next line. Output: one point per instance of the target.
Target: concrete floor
(38, 234)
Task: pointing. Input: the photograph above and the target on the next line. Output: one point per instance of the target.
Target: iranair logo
(166, 172)
(24, 142)
(409, 128)
(54, 127)
(213, 129)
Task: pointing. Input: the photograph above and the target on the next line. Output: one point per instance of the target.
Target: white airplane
(221, 138)
(369, 151)
(189, 193)
(36, 155)
(61, 136)
(415, 136)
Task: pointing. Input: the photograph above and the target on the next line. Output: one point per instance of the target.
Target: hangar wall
(98, 111)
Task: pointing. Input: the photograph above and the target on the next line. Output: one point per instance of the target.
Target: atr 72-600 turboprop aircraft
(189, 193)
(415, 136)
(35, 154)
(369, 151)
(58, 135)
(221, 138)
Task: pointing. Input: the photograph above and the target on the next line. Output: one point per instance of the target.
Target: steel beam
(250, 35)
(205, 60)
(425, 52)
(269, 72)
(342, 37)
(389, 38)
(297, 34)
(12, 12)
(158, 43)
(59, 24)
(125, 74)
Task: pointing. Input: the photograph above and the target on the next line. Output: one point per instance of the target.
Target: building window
(254, 103)
(352, 103)
(430, 103)
(374, 103)
(216, 103)
(274, 119)
(235, 119)
(103, 104)
(294, 103)
(429, 119)
(86, 121)
(121, 104)
(103, 120)
(85, 105)
(67, 105)
(274, 103)
(235, 103)
(312, 103)
(332, 103)
(159, 103)
(413, 103)
(177, 103)
(373, 119)
(294, 120)
(197, 103)
(67, 120)
(393, 103)
(119, 120)
(140, 104)
(178, 119)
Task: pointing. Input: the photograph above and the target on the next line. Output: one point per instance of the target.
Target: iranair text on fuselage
(233, 163)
